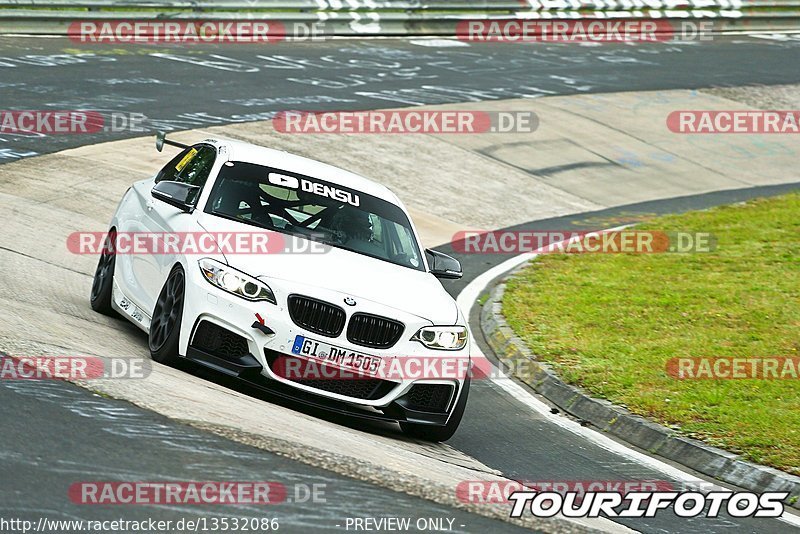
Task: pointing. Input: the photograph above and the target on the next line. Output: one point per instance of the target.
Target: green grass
(610, 322)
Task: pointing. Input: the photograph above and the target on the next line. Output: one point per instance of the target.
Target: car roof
(280, 159)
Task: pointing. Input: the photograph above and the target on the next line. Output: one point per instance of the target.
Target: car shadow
(382, 428)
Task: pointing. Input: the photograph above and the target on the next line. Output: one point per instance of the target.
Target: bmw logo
(350, 301)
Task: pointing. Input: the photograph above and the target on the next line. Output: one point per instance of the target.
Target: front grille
(357, 388)
(219, 341)
(374, 331)
(316, 316)
(429, 397)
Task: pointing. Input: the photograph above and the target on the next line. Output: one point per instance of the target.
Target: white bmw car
(350, 288)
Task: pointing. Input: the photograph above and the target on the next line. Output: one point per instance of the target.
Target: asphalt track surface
(191, 87)
(185, 87)
(76, 431)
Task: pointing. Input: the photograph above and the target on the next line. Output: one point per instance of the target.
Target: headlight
(442, 337)
(236, 282)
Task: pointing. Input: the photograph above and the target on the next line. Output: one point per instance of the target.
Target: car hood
(352, 274)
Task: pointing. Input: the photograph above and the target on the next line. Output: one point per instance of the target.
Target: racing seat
(234, 194)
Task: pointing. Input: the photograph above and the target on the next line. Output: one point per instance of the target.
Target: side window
(171, 169)
(198, 168)
(192, 166)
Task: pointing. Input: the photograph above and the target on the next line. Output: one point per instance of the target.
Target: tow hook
(264, 328)
(258, 324)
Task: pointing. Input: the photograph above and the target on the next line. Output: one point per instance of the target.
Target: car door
(193, 166)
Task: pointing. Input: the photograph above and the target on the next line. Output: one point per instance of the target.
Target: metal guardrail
(406, 5)
(476, 5)
(394, 17)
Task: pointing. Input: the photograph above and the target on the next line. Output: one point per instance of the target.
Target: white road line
(467, 299)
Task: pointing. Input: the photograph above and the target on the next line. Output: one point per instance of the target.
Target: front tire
(165, 327)
(103, 283)
(440, 433)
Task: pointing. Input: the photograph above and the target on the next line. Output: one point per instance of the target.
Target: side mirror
(442, 265)
(178, 194)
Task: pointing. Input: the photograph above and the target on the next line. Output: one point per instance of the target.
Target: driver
(354, 231)
(353, 225)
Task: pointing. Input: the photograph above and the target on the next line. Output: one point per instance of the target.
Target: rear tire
(440, 433)
(103, 283)
(165, 327)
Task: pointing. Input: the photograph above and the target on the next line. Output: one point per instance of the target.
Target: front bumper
(265, 332)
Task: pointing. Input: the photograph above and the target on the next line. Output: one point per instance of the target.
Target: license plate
(338, 356)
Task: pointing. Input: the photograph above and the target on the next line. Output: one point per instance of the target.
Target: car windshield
(314, 209)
